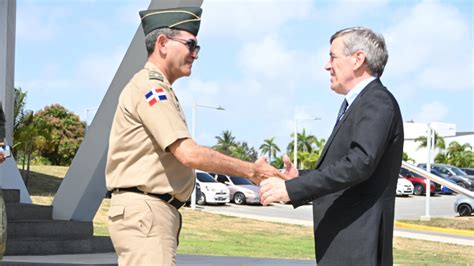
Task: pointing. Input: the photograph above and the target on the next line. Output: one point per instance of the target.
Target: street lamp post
(430, 138)
(295, 139)
(219, 108)
(87, 116)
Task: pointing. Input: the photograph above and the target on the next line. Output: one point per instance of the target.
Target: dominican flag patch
(155, 95)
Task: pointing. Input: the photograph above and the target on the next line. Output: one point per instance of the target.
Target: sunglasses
(191, 44)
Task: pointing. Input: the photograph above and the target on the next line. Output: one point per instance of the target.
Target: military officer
(3, 213)
(151, 154)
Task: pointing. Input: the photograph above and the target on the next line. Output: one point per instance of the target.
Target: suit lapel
(353, 106)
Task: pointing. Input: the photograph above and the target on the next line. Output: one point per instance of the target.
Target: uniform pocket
(145, 223)
(116, 212)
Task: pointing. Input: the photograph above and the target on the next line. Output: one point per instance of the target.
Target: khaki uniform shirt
(147, 120)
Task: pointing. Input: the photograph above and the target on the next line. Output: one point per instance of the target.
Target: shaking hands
(274, 189)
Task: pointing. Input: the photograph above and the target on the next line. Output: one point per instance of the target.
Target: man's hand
(2, 156)
(289, 170)
(273, 189)
(265, 170)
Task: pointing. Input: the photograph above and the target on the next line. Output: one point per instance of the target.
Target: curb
(434, 229)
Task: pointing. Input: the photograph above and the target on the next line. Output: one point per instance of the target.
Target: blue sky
(263, 61)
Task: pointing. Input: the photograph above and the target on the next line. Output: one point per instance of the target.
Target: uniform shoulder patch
(155, 75)
(155, 95)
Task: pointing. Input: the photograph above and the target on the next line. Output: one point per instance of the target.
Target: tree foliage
(227, 145)
(460, 155)
(309, 149)
(270, 148)
(60, 134)
(225, 142)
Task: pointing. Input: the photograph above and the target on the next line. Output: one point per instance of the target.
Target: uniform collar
(152, 67)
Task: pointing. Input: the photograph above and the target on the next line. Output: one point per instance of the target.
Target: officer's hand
(265, 170)
(289, 170)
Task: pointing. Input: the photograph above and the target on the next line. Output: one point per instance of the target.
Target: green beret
(182, 18)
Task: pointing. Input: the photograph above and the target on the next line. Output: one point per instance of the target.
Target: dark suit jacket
(353, 185)
(2, 123)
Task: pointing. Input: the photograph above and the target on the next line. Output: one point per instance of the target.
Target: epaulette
(155, 75)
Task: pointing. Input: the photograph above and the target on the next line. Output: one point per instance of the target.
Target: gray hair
(373, 44)
(150, 38)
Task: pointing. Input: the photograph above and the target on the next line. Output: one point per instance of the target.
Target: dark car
(455, 174)
(419, 182)
(469, 171)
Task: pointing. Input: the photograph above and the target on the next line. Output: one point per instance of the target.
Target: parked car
(211, 190)
(469, 171)
(198, 195)
(404, 187)
(464, 205)
(443, 189)
(242, 190)
(453, 173)
(419, 182)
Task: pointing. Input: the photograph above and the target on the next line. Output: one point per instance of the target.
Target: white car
(211, 190)
(242, 190)
(404, 187)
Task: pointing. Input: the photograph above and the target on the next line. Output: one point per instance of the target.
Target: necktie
(342, 110)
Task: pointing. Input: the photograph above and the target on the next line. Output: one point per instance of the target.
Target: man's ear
(160, 44)
(359, 59)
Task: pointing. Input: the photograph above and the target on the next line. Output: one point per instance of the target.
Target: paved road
(412, 207)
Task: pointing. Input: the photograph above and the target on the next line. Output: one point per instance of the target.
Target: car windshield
(203, 177)
(457, 171)
(237, 180)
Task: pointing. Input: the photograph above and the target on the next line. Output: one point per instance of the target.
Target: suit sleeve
(369, 139)
(2, 124)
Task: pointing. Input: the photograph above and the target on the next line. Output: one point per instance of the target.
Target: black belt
(164, 197)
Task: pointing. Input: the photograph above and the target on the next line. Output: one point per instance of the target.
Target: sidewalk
(106, 259)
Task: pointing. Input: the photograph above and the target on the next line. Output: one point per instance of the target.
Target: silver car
(242, 190)
(463, 205)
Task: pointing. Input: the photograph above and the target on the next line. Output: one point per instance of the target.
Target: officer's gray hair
(150, 38)
(373, 44)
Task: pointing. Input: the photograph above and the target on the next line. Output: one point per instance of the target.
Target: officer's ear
(160, 44)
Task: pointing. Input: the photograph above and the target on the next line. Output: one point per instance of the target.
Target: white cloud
(431, 46)
(276, 66)
(434, 111)
(246, 19)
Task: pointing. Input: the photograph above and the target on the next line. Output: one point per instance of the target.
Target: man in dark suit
(353, 185)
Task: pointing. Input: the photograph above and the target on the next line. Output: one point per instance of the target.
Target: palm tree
(225, 142)
(304, 142)
(319, 145)
(242, 151)
(269, 147)
(438, 142)
(459, 155)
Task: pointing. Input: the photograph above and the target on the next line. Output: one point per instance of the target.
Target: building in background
(447, 131)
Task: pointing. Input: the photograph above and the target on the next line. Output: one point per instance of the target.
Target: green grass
(213, 234)
(219, 235)
(417, 252)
